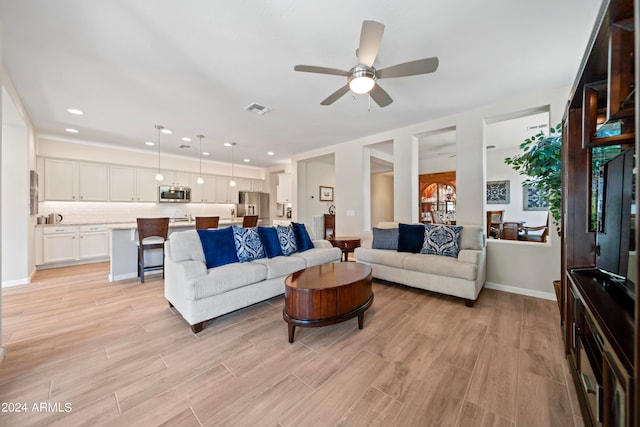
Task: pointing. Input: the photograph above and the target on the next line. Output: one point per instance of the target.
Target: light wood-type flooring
(116, 354)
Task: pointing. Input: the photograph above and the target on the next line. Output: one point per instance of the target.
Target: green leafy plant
(541, 162)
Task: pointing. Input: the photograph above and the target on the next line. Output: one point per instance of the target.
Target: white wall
(381, 198)
(15, 195)
(319, 172)
(2, 348)
(352, 186)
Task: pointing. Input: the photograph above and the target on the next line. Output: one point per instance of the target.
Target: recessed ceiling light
(205, 153)
(186, 139)
(70, 130)
(247, 160)
(75, 111)
(228, 144)
(150, 143)
(270, 153)
(167, 131)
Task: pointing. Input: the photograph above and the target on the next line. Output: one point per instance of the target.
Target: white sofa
(200, 294)
(462, 277)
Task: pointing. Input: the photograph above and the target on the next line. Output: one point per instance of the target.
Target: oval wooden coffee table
(327, 294)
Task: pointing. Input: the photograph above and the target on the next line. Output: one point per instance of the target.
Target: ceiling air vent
(184, 146)
(257, 108)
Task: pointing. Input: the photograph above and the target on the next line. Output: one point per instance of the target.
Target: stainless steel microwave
(172, 194)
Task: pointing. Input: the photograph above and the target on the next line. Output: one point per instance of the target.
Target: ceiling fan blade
(413, 68)
(320, 70)
(335, 95)
(370, 39)
(381, 97)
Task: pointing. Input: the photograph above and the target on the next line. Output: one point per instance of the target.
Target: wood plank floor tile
(185, 418)
(506, 325)
(464, 343)
(475, 416)
(374, 409)
(494, 381)
(542, 354)
(542, 402)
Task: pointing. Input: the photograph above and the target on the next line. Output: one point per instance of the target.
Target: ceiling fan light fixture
(362, 79)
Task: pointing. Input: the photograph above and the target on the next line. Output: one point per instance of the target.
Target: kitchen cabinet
(178, 179)
(93, 242)
(129, 184)
(67, 180)
(59, 244)
(224, 192)
(283, 189)
(247, 184)
(93, 182)
(205, 192)
(71, 243)
(59, 180)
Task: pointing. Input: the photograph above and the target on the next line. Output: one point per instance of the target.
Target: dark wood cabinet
(329, 226)
(599, 321)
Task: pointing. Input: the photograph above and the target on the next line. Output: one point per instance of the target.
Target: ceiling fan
(363, 77)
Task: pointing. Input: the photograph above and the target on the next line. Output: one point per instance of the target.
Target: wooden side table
(346, 244)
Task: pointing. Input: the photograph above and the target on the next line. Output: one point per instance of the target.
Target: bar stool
(205, 222)
(249, 221)
(152, 233)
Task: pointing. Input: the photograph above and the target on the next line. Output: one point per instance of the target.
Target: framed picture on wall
(497, 192)
(533, 199)
(326, 194)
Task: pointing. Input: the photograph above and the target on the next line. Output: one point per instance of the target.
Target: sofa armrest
(368, 244)
(322, 244)
(470, 256)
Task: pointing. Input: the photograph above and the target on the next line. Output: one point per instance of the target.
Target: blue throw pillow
(385, 238)
(303, 241)
(248, 244)
(218, 246)
(270, 242)
(441, 240)
(287, 239)
(410, 237)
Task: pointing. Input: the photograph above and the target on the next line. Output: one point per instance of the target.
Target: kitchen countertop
(132, 224)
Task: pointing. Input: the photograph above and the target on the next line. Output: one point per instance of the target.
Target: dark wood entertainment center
(599, 319)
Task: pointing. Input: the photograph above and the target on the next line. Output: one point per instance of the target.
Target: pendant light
(200, 180)
(159, 176)
(232, 183)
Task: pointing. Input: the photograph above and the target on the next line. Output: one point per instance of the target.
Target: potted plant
(541, 163)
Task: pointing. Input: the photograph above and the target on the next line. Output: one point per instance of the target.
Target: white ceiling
(193, 65)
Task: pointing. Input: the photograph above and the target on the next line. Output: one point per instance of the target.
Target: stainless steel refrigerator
(254, 203)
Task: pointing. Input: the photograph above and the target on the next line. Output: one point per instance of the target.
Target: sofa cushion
(441, 265)
(281, 266)
(410, 237)
(226, 278)
(385, 238)
(441, 240)
(270, 242)
(377, 256)
(287, 240)
(218, 246)
(248, 243)
(186, 246)
(472, 237)
(317, 256)
(303, 241)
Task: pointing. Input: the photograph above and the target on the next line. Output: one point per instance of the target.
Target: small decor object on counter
(332, 209)
(326, 194)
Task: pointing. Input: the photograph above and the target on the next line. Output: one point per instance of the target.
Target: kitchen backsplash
(101, 212)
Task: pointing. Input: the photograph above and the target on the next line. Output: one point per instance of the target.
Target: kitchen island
(123, 249)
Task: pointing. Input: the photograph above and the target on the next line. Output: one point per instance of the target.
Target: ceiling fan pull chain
(369, 106)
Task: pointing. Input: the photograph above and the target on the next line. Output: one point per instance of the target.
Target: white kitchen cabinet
(205, 192)
(283, 189)
(60, 182)
(224, 192)
(93, 242)
(177, 179)
(146, 185)
(247, 184)
(122, 183)
(59, 244)
(93, 182)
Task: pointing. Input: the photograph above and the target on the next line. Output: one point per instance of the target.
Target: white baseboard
(521, 291)
(18, 282)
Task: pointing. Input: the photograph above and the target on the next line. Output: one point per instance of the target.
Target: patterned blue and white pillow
(287, 239)
(248, 244)
(441, 240)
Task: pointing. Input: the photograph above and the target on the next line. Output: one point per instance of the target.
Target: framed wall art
(497, 192)
(533, 199)
(326, 194)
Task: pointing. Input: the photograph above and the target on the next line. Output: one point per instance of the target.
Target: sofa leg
(197, 327)
(469, 302)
